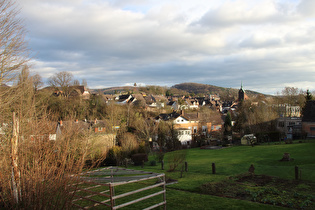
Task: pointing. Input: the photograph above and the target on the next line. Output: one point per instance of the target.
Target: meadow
(233, 161)
(232, 186)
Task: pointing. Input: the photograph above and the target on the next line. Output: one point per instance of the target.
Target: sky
(265, 45)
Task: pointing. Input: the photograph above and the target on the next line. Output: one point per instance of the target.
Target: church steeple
(241, 93)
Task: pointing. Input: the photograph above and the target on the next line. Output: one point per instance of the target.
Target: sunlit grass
(229, 162)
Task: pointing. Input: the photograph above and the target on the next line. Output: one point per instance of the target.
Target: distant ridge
(197, 88)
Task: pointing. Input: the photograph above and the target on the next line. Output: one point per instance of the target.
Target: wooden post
(126, 163)
(186, 166)
(164, 189)
(15, 179)
(296, 172)
(112, 194)
(181, 172)
(213, 168)
(162, 164)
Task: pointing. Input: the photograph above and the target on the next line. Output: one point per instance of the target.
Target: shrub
(139, 158)
(128, 143)
(46, 171)
(114, 156)
(152, 163)
(159, 156)
(176, 159)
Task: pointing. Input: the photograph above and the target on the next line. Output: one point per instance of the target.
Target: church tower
(241, 93)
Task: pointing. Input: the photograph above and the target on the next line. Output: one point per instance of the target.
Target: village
(195, 120)
(157, 104)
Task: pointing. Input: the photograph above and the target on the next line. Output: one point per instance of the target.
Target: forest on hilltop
(193, 89)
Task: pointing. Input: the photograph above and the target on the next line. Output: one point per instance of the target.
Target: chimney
(182, 112)
(95, 121)
(76, 121)
(60, 122)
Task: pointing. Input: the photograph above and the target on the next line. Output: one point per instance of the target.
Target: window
(312, 128)
(281, 124)
(100, 128)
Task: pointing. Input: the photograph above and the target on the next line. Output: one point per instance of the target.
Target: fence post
(186, 166)
(112, 194)
(296, 172)
(162, 164)
(213, 168)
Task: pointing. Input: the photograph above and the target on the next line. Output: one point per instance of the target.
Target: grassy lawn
(189, 192)
(230, 162)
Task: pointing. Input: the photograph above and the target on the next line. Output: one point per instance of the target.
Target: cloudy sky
(265, 44)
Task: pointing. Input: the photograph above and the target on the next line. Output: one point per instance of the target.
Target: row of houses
(189, 125)
(160, 101)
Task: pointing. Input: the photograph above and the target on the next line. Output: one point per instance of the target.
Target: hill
(181, 89)
(197, 88)
(114, 90)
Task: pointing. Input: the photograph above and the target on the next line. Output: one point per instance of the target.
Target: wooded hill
(197, 88)
(180, 89)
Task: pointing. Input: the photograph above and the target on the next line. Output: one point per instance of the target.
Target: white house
(184, 136)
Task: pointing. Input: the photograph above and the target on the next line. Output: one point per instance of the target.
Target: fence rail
(102, 183)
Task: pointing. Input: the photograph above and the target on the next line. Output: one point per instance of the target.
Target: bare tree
(293, 96)
(76, 82)
(37, 82)
(62, 81)
(14, 52)
(84, 83)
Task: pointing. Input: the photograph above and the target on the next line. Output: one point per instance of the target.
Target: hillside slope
(197, 88)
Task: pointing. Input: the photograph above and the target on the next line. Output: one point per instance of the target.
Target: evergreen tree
(228, 124)
(308, 96)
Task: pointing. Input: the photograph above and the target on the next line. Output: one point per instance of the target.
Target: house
(187, 125)
(308, 119)
(123, 99)
(98, 126)
(79, 91)
(174, 105)
(154, 101)
(287, 110)
(192, 103)
(63, 127)
(290, 127)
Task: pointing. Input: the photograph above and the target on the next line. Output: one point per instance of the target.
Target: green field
(231, 162)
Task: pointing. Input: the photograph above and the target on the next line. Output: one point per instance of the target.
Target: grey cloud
(252, 42)
(109, 44)
(307, 7)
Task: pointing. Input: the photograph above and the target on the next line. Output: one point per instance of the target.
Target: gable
(180, 120)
